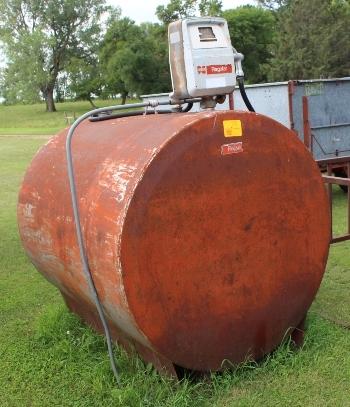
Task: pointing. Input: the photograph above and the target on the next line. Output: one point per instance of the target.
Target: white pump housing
(202, 60)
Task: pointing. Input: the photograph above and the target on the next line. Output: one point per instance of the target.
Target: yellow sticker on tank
(232, 128)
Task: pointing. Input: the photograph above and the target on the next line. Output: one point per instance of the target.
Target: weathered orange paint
(198, 257)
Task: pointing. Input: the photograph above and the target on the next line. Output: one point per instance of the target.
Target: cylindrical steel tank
(207, 234)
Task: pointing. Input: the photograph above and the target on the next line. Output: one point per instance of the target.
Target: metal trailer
(317, 110)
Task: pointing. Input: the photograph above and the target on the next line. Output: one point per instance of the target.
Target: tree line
(84, 49)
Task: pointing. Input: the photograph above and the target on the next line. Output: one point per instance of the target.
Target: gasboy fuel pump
(203, 62)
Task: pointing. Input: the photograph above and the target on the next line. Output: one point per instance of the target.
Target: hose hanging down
(245, 98)
(78, 228)
(76, 211)
(240, 79)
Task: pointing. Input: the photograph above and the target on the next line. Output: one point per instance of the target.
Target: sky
(144, 10)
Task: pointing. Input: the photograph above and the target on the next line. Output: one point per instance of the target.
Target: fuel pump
(203, 62)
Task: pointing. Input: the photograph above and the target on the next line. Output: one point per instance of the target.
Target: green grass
(49, 358)
(33, 119)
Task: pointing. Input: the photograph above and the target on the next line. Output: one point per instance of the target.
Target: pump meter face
(201, 58)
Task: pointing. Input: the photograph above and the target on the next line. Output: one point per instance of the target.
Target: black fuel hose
(187, 108)
(240, 81)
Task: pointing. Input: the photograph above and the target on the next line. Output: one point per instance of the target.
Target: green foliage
(133, 58)
(273, 4)
(179, 9)
(84, 72)
(210, 8)
(176, 10)
(85, 78)
(63, 46)
(312, 41)
(252, 31)
(24, 63)
(40, 37)
(158, 37)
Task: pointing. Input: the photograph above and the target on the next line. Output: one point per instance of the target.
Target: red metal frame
(291, 86)
(306, 124)
(329, 165)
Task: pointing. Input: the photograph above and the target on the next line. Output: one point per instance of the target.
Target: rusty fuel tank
(207, 234)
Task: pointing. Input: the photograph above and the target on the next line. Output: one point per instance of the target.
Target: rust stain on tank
(198, 257)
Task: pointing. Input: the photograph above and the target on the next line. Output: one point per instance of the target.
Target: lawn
(48, 358)
(33, 119)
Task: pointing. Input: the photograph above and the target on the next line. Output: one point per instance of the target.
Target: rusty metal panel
(190, 249)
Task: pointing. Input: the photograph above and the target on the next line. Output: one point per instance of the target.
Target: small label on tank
(232, 128)
(232, 148)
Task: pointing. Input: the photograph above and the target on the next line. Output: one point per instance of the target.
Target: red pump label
(219, 69)
(214, 69)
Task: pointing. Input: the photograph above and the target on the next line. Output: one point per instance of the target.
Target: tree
(133, 58)
(179, 9)
(61, 87)
(252, 33)
(16, 88)
(116, 40)
(176, 10)
(158, 39)
(274, 4)
(41, 36)
(85, 78)
(210, 7)
(313, 40)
